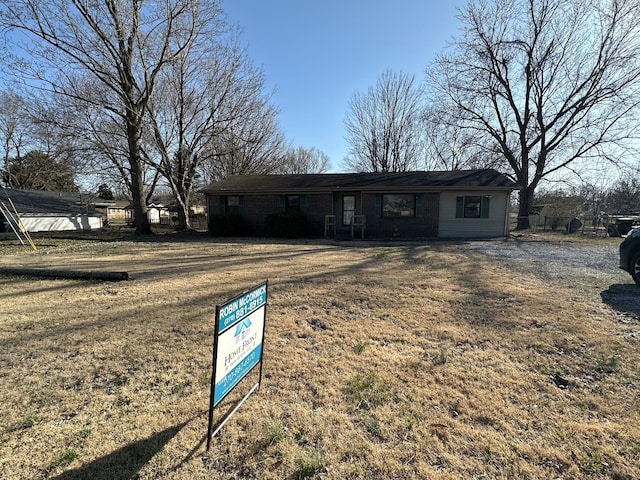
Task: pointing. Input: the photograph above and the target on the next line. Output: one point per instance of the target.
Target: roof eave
(376, 189)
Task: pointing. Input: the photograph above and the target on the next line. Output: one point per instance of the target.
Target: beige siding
(494, 226)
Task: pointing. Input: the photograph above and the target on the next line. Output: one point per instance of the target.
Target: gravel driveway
(561, 261)
(590, 268)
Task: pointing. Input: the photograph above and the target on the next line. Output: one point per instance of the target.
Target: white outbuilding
(40, 211)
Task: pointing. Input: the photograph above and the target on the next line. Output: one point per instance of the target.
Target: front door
(345, 206)
(348, 209)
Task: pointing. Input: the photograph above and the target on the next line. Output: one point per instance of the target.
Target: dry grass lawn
(382, 361)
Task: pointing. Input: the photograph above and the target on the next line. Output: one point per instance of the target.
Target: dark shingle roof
(458, 179)
(39, 202)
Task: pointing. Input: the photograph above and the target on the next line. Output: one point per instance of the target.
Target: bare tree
(383, 126)
(252, 145)
(27, 125)
(95, 137)
(122, 45)
(305, 160)
(447, 145)
(544, 83)
(624, 196)
(210, 89)
(14, 128)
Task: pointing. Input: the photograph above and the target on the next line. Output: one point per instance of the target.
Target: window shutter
(283, 203)
(459, 207)
(303, 204)
(241, 206)
(223, 204)
(378, 204)
(484, 210)
(419, 205)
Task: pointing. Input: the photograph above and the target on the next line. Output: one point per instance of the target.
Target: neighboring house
(456, 204)
(121, 212)
(116, 212)
(50, 211)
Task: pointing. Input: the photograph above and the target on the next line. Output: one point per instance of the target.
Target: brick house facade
(469, 203)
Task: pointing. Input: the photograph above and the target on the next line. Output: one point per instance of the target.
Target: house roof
(400, 181)
(121, 204)
(49, 203)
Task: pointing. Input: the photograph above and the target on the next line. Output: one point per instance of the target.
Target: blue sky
(317, 53)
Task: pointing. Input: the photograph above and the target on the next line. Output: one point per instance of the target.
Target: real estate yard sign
(237, 346)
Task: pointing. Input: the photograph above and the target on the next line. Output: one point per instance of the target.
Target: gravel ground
(590, 268)
(561, 261)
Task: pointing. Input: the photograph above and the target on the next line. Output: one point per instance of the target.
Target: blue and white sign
(239, 350)
(237, 347)
(240, 307)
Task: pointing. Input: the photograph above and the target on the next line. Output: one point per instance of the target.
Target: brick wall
(423, 225)
(255, 209)
(318, 205)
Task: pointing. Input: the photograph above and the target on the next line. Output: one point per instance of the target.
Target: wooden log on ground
(72, 274)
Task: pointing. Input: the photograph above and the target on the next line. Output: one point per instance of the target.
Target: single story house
(115, 211)
(40, 211)
(451, 204)
(120, 212)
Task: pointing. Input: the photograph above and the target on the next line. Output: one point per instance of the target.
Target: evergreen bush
(286, 225)
(227, 225)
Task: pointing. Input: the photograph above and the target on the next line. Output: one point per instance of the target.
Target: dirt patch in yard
(420, 360)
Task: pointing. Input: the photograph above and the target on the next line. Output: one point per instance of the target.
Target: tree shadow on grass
(125, 463)
(624, 298)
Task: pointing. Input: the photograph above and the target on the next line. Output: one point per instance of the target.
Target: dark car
(630, 254)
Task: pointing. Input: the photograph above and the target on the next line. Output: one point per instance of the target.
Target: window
(292, 203)
(472, 206)
(398, 205)
(232, 204)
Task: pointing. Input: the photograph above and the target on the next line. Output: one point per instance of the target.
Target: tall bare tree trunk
(525, 203)
(142, 224)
